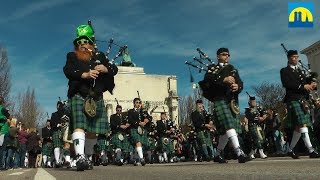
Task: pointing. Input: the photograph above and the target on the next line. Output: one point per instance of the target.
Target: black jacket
(115, 123)
(135, 117)
(162, 128)
(214, 88)
(293, 81)
(46, 134)
(198, 120)
(56, 118)
(74, 69)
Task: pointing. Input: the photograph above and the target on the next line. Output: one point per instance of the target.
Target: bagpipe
(209, 119)
(110, 42)
(257, 111)
(217, 72)
(313, 99)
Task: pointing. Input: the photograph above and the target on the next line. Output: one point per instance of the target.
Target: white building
(158, 92)
(313, 54)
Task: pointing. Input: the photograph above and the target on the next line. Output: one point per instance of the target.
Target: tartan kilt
(166, 147)
(57, 139)
(117, 143)
(98, 125)
(296, 115)
(152, 143)
(131, 147)
(47, 149)
(102, 144)
(224, 118)
(136, 137)
(256, 142)
(204, 137)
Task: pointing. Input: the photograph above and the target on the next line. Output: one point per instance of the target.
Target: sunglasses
(82, 41)
(138, 102)
(118, 110)
(223, 54)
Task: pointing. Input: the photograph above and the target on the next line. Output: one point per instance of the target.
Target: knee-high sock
(89, 144)
(165, 156)
(78, 142)
(295, 138)
(305, 136)
(57, 154)
(44, 159)
(223, 141)
(66, 153)
(118, 154)
(232, 135)
(139, 151)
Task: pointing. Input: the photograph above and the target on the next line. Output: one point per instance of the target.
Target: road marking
(43, 174)
(16, 173)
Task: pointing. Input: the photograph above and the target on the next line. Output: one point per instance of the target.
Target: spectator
(4, 131)
(33, 147)
(23, 138)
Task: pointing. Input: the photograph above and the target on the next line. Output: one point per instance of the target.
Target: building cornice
(313, 49)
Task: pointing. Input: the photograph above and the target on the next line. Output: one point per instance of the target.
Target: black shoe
(293, 155)
(143, 162)
(219, 159)
(67, 164)
(105, 163)
(243, 158)
(81, 163)
(314, 154)
(58, 165)
(119, 163)
(89, 164)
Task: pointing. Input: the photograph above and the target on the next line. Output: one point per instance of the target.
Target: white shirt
(294, 67)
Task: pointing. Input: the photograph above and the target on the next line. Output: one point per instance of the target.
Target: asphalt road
(271, 168)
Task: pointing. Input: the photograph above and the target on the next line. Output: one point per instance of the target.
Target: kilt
(136, 137)
(166, 147)
(57, 139)
(102, 144)
(152, 143)
(296, 115)
(204, 137)
(256, 141)
(47, 149)
(117, 143)
(131, 147)
(224, 118)
(98, 125)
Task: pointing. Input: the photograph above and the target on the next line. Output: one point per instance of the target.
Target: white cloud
(31, 8)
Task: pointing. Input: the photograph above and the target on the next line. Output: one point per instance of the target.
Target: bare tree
(186, 106)
(5, 79)
(270, 95)
(28, 109)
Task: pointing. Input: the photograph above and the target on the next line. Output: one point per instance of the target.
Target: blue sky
(161, 35)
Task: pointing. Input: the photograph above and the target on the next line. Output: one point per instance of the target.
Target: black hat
(59, 103)
(199, 101)
(252, 98)
(163, 113)
(118, 106)
(221, 50)
(291, 53)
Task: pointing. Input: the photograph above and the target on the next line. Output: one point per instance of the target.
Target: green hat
(84, 31)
